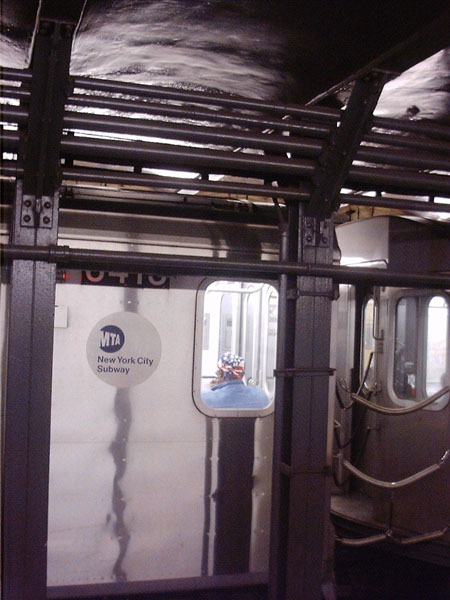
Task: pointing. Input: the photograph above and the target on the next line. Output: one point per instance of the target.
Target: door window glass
(406, 347)
(436, 345)
(239, 345)
(368, 343)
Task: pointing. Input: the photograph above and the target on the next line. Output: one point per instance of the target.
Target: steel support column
(308, 468)
(25, 461)
(300, 478)
(283, 409)
(27, 423)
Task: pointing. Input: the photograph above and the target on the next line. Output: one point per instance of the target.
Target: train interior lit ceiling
(204, 59)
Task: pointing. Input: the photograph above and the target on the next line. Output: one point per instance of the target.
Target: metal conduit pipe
(419, 143)
(208, 135)
(251, 164)
(9, 74)
(158, 155)
(398, 181)
(328, 114)
(301, 193)
(167, 155)
(396, 203)
(164, 154)
(193, 133)
(392, 485)
(10, 169)
(419, 127)
(121, 87)
(416, 160)
(196, 113)
(10, 91)
(311, 129)
(400, 411)
(82, 258)
(183, 156)
(314, 130)
(14, 114)
(10, 141)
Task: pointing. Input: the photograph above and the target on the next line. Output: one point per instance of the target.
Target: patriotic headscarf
(231, 364)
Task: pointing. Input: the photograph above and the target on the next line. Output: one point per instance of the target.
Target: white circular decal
(123, 349)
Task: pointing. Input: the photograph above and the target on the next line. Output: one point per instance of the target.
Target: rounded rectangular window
(406, 347)
(436, 374)
(368, 344)
(234, 369)
(421, 348)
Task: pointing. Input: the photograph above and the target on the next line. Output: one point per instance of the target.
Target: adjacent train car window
(437, 345)
(235, 365)
(420, 366)
(368, 343)
(406, 347)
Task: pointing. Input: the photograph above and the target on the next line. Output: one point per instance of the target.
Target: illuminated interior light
(170, 173)
(187, 192)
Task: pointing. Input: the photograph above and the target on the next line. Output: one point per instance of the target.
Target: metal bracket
(293, 294)
(316, 232)
(37, 212)
(309, 231)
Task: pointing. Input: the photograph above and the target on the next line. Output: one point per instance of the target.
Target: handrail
(416, 539)
(401, 411)
(365, 541)
(390, 537)
(402, 482)
(341, 383)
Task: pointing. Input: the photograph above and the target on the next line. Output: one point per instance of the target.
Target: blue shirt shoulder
(235, 394)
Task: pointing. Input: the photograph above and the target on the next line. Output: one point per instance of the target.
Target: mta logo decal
(112, 338)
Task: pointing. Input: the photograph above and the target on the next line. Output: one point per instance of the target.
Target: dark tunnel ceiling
(290, 51)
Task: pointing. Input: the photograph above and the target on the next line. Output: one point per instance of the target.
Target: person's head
(230, 366)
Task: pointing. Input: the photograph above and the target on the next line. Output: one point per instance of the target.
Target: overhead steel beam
(341, 150)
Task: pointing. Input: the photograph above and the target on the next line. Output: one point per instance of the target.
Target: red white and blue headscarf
(231, 364)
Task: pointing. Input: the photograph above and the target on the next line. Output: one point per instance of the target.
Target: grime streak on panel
(118, 449)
